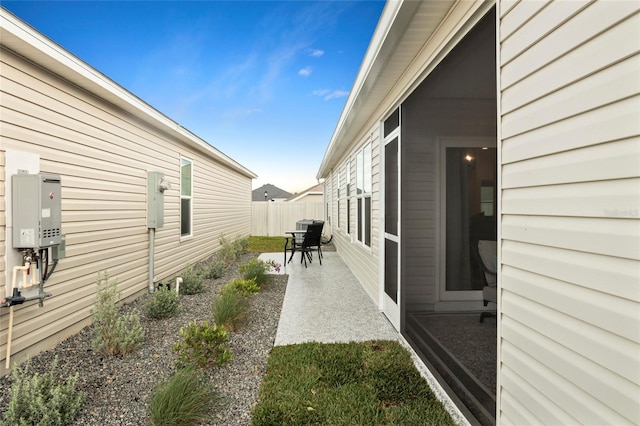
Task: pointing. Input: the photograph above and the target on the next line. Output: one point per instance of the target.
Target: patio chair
(487, 251)
(311, 242)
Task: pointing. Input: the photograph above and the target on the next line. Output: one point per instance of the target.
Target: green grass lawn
(266, 244)
(370, 383)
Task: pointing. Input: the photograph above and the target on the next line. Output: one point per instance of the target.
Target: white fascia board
(365, 78)
(305, 194)
(24, 40)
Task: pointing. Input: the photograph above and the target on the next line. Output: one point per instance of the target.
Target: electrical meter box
(156, 185)
(36, 207)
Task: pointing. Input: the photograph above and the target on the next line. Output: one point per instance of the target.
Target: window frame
(188, 197)
(339, 216)
(364, 185)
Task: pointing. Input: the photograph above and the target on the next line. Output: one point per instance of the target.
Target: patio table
(296, 238)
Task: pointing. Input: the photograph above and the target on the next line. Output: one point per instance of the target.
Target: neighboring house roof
(314, 190)
(273, 192)
(30, 44)
(387, 61)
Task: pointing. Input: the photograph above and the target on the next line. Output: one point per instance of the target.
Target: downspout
(152, 238)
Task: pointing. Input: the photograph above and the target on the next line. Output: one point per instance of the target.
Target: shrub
(213, 269)
(192, 281)
(241, 245)
(182, 400)
(202, 345)
(42, 399)
(227, 251)
(245, 287)
(163, 303)
(257, 269)
(228, 308)
(116, 333)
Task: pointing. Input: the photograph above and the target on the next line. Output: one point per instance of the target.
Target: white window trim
(360, 218)
(190, 197)
(347, 196)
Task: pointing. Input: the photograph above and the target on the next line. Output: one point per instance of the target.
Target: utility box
(36, 208)
(156, 185)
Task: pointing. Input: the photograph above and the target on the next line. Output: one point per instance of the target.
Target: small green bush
(241, 245)
(227, 251)
(116, 333)
(202, 345)
(228, 308)
(257, 269)
(42, 399)
(182, 400)
(213, 269)
(163, 303)
(192, 281)
(245, 287)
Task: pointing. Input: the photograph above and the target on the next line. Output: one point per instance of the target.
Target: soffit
(392, 50)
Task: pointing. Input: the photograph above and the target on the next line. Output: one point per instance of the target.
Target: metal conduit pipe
(24, 270)
(152, 237)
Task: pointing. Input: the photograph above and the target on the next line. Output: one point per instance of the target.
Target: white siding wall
(3, 223)
(362, 260)
(103, 155)
(570, 228)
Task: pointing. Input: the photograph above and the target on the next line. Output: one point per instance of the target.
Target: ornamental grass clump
(116, 333)
(202, 345)
(228, 308)
(42, 399)
(163, 303)
(184, 399)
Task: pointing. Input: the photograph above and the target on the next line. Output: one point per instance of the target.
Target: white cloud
(330, 94)
(316, 53)
(305, 72)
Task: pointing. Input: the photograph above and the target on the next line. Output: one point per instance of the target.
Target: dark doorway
(448, 204)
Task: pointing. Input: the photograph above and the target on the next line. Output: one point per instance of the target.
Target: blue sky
(262, 81)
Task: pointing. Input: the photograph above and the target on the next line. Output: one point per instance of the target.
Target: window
(186, 197)
(363, 195)
(348, 194)
(338, 197)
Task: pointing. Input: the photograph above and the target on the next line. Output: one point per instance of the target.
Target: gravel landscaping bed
(118, 389)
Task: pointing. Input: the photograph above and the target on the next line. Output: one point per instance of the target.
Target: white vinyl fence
(274, 219)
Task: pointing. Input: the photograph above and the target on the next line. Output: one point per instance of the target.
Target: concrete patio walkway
(326, 303)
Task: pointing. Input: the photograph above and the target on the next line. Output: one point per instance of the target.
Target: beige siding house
(516, 122)
(60, 116)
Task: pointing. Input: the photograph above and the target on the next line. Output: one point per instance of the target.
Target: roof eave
(366, 94)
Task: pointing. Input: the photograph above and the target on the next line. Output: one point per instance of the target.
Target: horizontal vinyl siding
(362, 261)
(419, 221)
(570, 228)
(103, 156)
(3, 225)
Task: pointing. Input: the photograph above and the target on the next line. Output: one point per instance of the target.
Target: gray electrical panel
(156, 185)
(36, 210)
